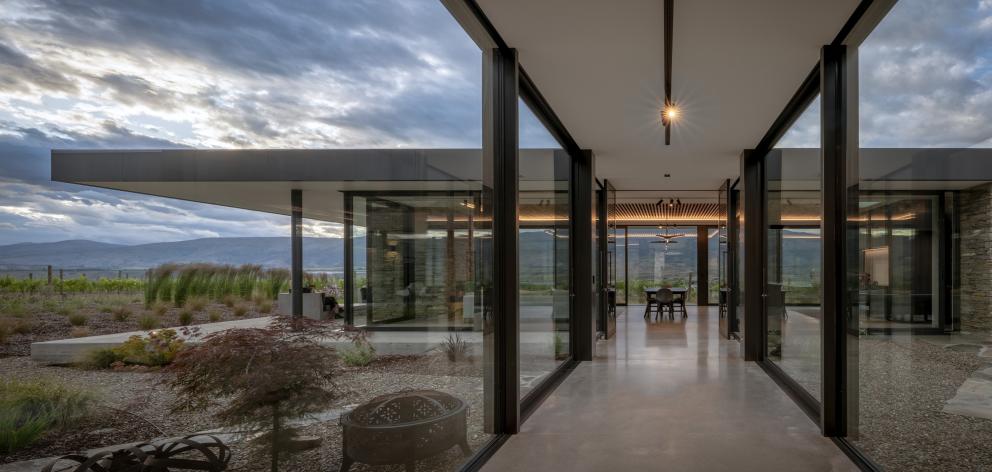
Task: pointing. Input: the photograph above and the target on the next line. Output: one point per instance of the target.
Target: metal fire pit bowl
(402, 428)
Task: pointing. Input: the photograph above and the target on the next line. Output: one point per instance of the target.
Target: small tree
(260, 378)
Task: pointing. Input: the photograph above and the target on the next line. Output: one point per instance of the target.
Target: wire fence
(51, 274)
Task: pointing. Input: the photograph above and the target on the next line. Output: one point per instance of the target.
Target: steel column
(296, 236)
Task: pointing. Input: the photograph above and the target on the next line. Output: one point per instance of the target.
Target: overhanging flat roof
(261, 179)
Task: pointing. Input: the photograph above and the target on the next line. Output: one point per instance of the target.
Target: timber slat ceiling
(679, 213)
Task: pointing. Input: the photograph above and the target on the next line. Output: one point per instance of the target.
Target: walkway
(669, 395)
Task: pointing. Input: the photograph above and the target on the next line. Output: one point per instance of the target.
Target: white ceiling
(600, 65)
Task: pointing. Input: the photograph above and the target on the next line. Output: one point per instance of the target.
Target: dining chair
(649, 300)
(665, 298)
(680, 301)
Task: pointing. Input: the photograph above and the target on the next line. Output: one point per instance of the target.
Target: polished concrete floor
(669, 395)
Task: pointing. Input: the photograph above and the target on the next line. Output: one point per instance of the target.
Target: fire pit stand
(402, 428)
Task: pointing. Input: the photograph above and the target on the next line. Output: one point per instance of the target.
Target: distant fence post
(61, 284)
(49, 275)
(30, 275)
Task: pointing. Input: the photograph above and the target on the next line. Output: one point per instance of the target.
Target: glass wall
(544, 205)
(792, 212)
(418, 254)
(714, 246)
(621, 280)
(920, 389)
(661, 257)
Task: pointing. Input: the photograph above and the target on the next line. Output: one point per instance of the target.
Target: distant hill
(536, 247)
(268, 252)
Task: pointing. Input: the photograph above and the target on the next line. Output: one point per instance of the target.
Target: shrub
(14, 307)
(275, 280)
(4, 330)
(559, 345)
(260, 394)
(455, 347)
(79, 332)
(106, 309)
(160, 308)
(63, 310)
(214, 315)
(50, 305)
(157, 349)
(185, 317)
(77, 319)
(102, 358)
(240, 310)
(122, 313)
(265, 307)
(22, 327)
(229, 300)
(148, 322)
(360, 353)
(9, 326)
(30, 408)
(197, 303)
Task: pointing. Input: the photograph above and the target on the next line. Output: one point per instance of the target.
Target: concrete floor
(669, 395)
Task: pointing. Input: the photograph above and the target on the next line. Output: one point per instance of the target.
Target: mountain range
(264, 251)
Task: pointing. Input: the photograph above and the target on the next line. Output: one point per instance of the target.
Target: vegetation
(79, 284)
(77, 319)
(197, 303)
(559, 344)
(79, 332)
(9, 326)
(121, 313)
(214, 315)
(181, 283)
(101, 358)
(148, 322)
(360, 353)
(185, 317)
(240, 310)
(157, 349)
(160, 308)
(455, 347)
(259, 379)
(28, 409)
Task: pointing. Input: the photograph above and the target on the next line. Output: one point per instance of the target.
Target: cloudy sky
(345, 74)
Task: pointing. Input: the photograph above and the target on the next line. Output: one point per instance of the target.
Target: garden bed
(143, 408)
(47, 317)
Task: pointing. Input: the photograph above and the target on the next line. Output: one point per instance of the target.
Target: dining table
(651, 292)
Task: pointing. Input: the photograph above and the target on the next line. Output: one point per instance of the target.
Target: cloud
(133, 90)
(18, 72)
(258, 74)
(926, 76)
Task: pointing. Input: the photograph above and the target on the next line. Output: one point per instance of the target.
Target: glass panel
(610, 319)
(394, 85)
(545, 300)
(920, 389)
(792, 293)
(621, 265)
(738, 197)
(713, 264)
(660, 257)
(419, 255)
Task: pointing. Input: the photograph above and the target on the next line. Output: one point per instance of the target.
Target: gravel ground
(903, 388)
(142, 409)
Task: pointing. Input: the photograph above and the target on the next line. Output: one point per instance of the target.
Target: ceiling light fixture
(670, 112)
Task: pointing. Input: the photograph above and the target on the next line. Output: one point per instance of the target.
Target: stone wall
(975, 210)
